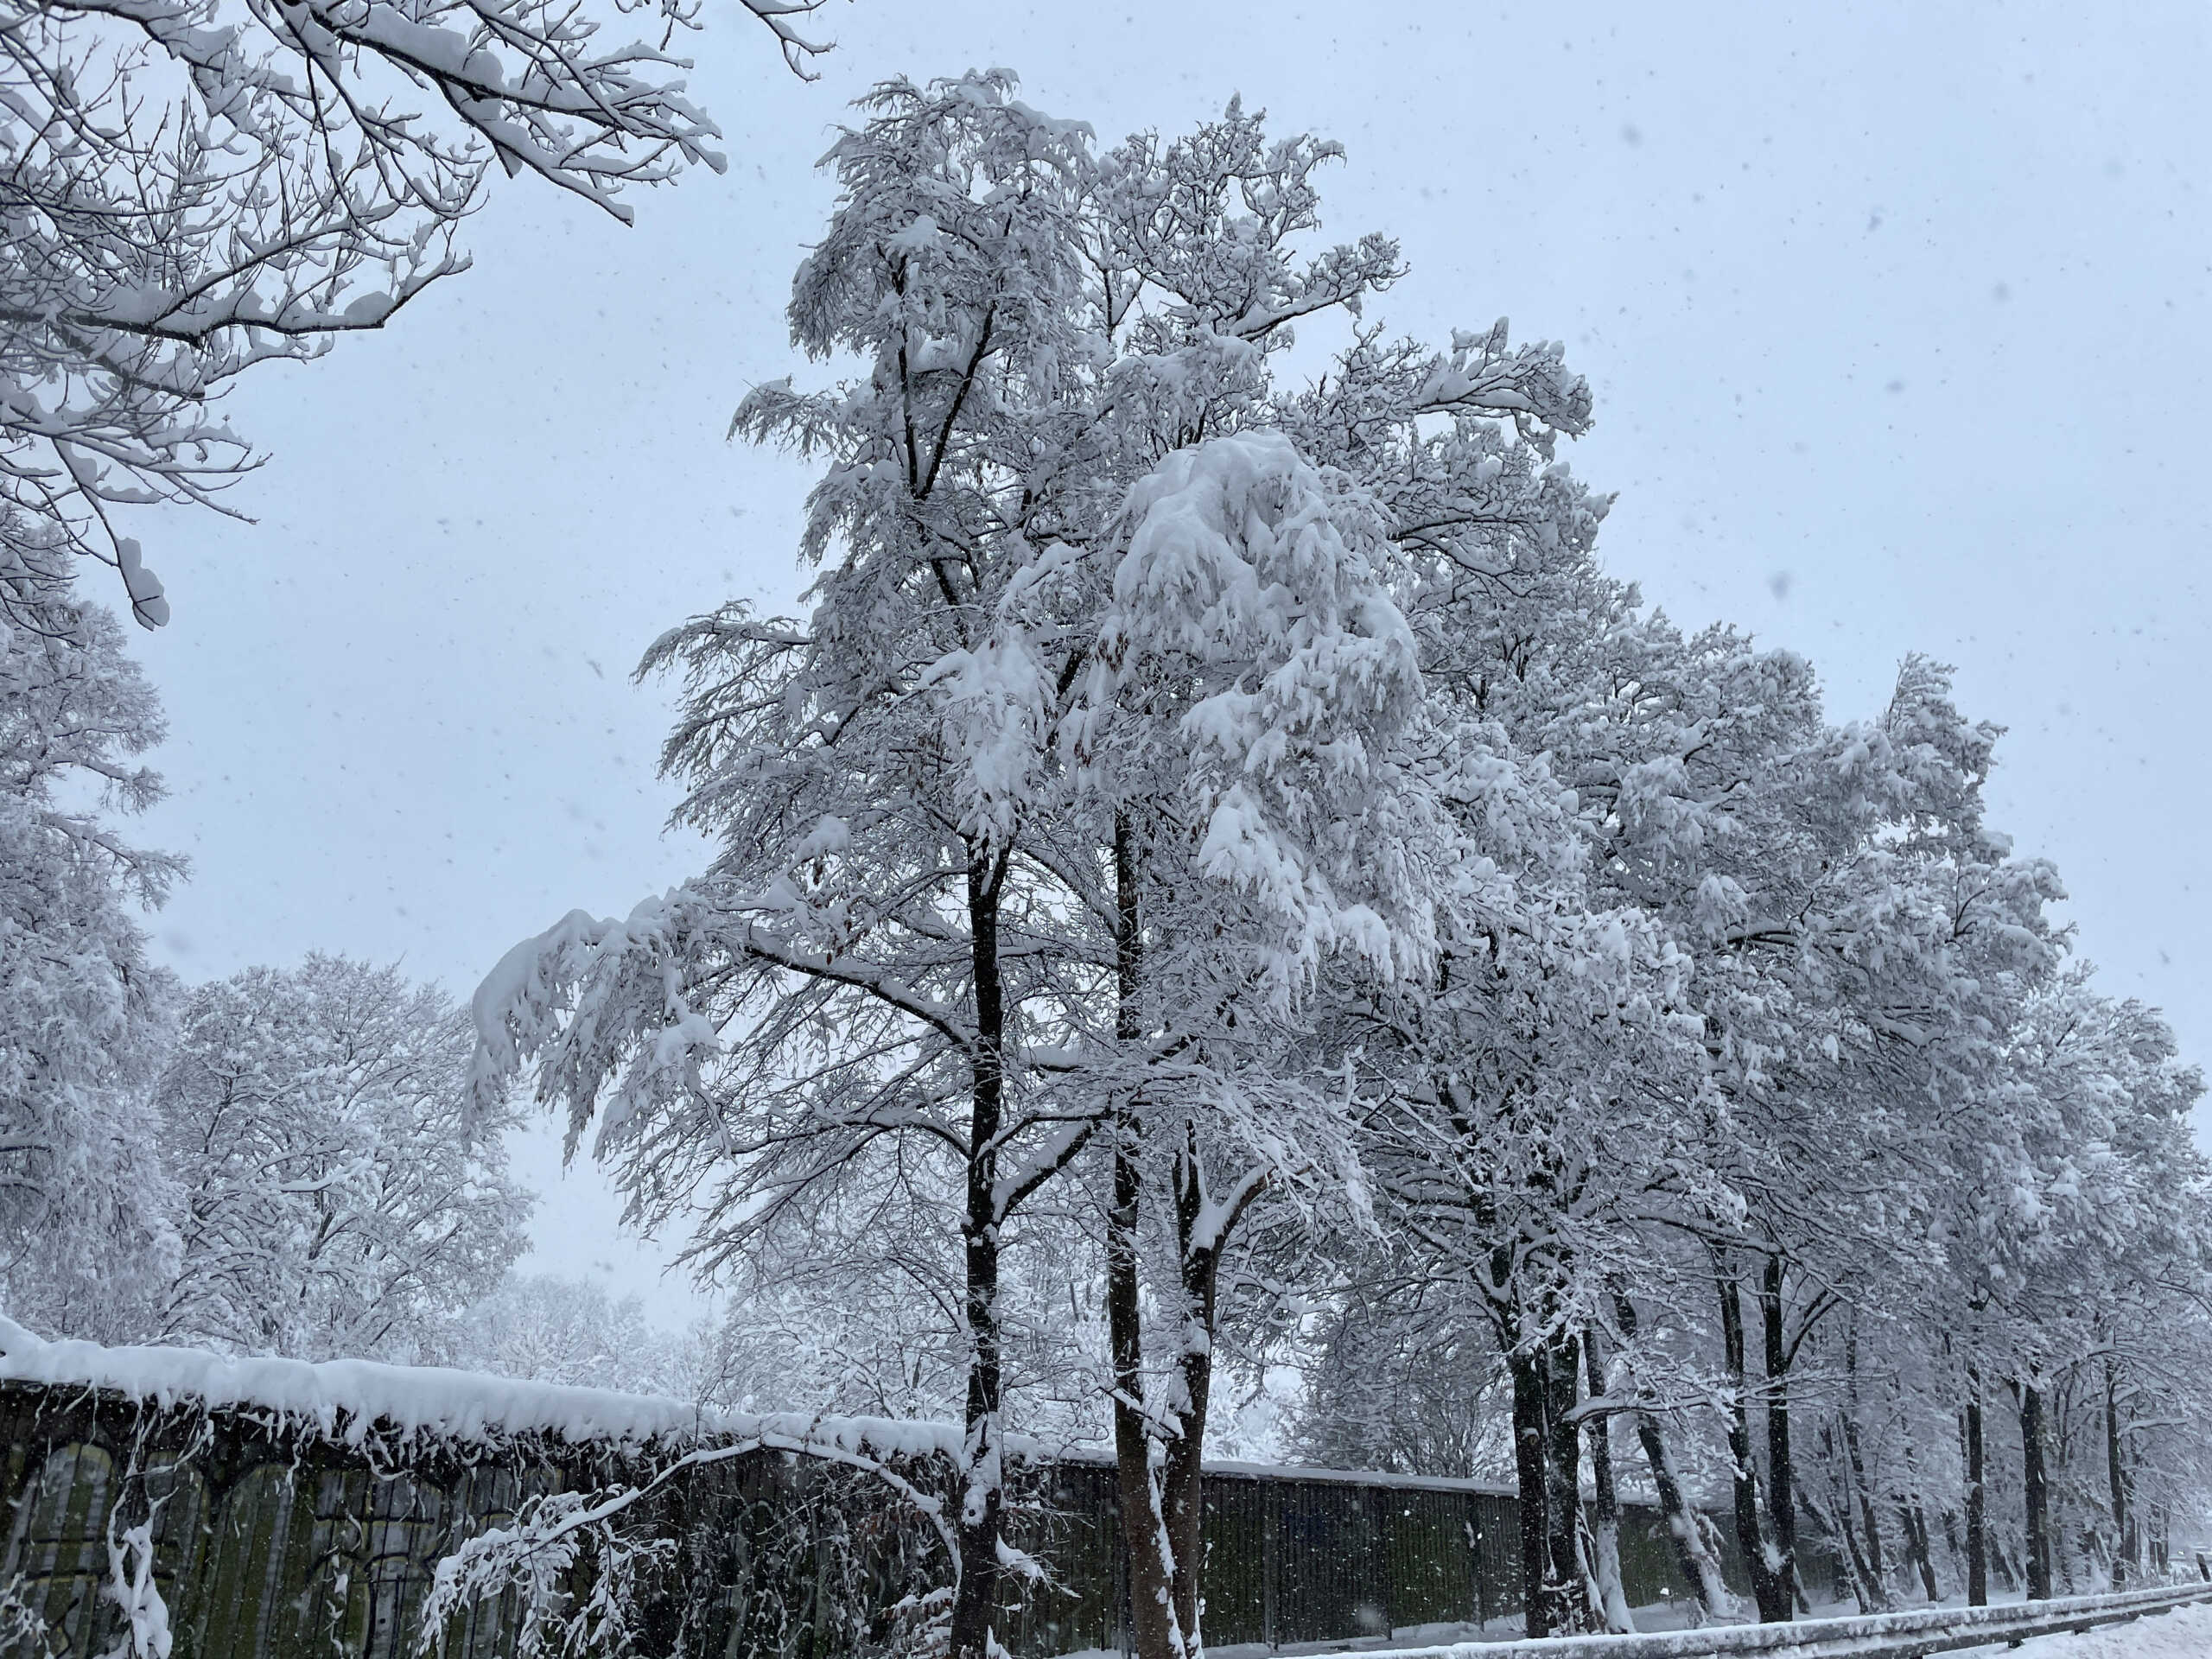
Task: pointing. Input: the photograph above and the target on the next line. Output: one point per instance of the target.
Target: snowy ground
(2185, 1634)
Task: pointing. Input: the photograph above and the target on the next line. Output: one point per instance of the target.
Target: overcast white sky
(1897, 317)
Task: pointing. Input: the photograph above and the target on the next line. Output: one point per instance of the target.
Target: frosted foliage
(336, 1197)
(1248, 594)
(85, 1208)
(192, 187)
(548, 1329)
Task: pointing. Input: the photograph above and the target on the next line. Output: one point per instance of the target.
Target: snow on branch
(191, 188)
(536, 1557)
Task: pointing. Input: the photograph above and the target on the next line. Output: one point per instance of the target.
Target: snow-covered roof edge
(344, 1400)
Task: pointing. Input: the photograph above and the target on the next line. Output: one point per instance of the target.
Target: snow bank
(344, 1399)
(2186, 1633)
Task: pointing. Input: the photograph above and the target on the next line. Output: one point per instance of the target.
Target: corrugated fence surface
(269, 1543)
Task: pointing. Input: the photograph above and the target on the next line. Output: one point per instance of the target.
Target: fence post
(1270, 1557)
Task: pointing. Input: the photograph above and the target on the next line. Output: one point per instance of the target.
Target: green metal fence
(272, 1542)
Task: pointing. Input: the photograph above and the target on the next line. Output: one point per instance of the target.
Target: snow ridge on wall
(344, 1399)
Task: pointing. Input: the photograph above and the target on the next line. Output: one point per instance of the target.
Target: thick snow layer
(2184, 1634)
(344, 1399)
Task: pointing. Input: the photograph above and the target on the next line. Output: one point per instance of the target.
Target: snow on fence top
(344, 1400)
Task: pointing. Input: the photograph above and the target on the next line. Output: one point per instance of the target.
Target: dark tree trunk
(982, 1505)
(2035, 1491)
(1566, 1584)
(1700, 1571)
(1199, 1252)
(1914, 1524)
(2001, 1559)
(1154, 1632)
(1869, 1517)
(1977, 1496)
(1682, 1521)
(1766, 1589)
(2123, 1525)
(1862, 1589)
(1781, 1467)
(1183, 1494)
(1532, 1485)
(1870, 1521)
(1606, 1508)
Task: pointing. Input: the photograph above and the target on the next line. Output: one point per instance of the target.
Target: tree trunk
(1699, 1568)
(2123, 1530)
(1781, 1467)
(982, 1474)
(1693, 1556)
(1914, 1524)
(1862, 1589)
(2001, 1559)
(1203, 1227)
(2035, 1490)
(1605, 1510)
(1154, 1632)
(1774, 1601)
(1977, 1498)
(1868, 1515)
(1568, 1585)
(1183, 1496)
(1527, 1369)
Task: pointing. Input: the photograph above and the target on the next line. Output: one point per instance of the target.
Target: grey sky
(1897, 317)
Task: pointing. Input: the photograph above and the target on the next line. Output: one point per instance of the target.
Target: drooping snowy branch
(189, 188)
(535, 1557)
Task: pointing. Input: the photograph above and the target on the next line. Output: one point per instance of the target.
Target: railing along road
(1873, 1635)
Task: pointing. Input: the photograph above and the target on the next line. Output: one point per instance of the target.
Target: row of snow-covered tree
(1219, 877)
(1221, 897)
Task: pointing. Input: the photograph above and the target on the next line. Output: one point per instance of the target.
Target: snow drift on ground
(2186, 1633)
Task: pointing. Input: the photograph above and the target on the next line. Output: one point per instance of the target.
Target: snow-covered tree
(2081, 1207)
(338, 1192)
(86, 1207)
(551, 1329)
(918, 922)
(191, 188)
(1251, 686)
(863, 995)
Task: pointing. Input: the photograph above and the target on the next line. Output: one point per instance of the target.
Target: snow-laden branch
(535, 1556)
(190, 189)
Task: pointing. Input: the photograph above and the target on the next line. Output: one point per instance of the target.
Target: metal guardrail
(1873, 1635)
